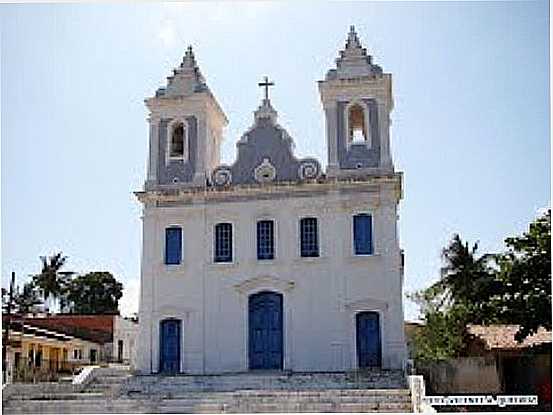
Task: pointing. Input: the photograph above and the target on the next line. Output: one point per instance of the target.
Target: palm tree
(49, 281)
(65, 279)
(465, 276)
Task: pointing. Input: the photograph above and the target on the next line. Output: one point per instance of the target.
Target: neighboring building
(492, 362)
(125, 331)
(411, 329)
(61, 342)
(38, 350)
(95, 328)
(522, 368)
(271, 263)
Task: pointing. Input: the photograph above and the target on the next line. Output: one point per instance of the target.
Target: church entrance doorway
(368, 339)
(265, 331)
(170, 346)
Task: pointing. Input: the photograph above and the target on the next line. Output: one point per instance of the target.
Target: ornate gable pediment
(266, 155)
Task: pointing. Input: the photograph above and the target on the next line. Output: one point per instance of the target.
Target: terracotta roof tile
(95, 328)
(502, 336)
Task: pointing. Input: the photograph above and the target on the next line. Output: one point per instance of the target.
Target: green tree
(94, 293)
(442, 335)
(524, 293)
(459, 297)
(467, 280)
(48, 281)
(27, 300)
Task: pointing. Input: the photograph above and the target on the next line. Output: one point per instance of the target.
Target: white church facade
(270, 262)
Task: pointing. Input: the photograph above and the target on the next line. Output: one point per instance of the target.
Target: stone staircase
(116, 391)
(108, 381)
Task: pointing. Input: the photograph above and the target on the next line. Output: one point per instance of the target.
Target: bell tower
(186, 129)
(357, 101)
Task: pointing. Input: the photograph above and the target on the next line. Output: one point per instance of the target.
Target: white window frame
(366, 117)
(170, 129)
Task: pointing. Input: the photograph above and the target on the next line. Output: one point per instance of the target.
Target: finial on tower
(189, 61)
(353, 40)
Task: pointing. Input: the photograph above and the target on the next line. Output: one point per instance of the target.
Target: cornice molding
(183, 195)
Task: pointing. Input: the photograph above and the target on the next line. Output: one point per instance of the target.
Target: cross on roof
(266, 84)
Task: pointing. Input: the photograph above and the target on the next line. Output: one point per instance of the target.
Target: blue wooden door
(265, 331)
(368, 339)
(170, 346)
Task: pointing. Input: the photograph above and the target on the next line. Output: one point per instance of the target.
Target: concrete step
(116, 391)
(67, 407)
(398, 394)
(133, 385)
(300, 401)
(118, 406)
(321, 407)
(110, 380)
(94, 385)
(60, 396)
(271, 381)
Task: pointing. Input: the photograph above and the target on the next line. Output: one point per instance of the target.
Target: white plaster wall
(125, 330)
(85, 347)
(321, 295)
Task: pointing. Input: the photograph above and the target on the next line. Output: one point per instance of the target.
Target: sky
(470, 126)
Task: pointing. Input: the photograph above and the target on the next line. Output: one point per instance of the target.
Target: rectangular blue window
(173, 246)
(309, 238)
(362, 234)
(223, 242)
(265, 239)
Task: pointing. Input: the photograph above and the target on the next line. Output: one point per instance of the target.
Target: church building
(271, 262)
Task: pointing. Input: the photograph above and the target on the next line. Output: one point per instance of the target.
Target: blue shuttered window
(173, 245)
(223, 242)
(362, 234)
(265, 239)
(309, 238)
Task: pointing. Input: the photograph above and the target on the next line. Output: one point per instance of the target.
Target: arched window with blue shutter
(173, 245)
(362, 234)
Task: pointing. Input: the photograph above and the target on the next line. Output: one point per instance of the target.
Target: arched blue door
(368, 339)
(265, 331)
(170, 346)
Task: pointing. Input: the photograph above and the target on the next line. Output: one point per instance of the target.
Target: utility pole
(7, 332)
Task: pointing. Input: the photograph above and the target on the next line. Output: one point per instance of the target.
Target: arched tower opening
(177, 141)
(357, 125)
